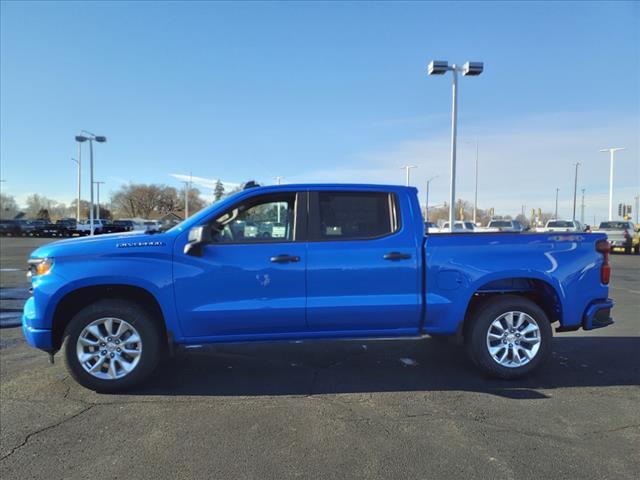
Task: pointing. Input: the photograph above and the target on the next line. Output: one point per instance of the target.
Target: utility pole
(97, 215)
(582, 208)
(278, 179)
(408, 169)
(187, 187)
(575, 191)
(556, 215)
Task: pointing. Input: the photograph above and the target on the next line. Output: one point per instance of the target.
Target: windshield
(614, 226)
(560, 224)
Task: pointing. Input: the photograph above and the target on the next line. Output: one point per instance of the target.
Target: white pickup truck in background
(620, 235)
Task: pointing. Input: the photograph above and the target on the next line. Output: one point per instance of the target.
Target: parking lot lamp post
(582, 208)
(575, 191)
(612, 152)
(407, 169)
(98, 199)
(473, 69)
(426, 204)
(79, 183)
(556, 215)
(90, 137)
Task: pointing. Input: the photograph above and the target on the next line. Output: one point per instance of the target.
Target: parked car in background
(562, 226)
(620, 234)
(124, 225)
(84, 227)
(512, 226)
(10, 228)
(430, 227)
(458, 227)
(27, 227)
(151, 225)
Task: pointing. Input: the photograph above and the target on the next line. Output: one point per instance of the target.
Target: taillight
(604, 247)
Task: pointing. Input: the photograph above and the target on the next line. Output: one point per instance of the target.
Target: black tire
(478, 328)
(130, 312)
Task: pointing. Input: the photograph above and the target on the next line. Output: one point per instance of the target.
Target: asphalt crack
(44, 429)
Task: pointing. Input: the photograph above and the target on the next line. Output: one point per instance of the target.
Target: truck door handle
(397, 256)
(285, 258)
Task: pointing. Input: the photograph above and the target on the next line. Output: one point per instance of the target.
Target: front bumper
(598, 315)
(36, 337)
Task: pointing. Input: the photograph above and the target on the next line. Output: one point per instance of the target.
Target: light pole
(575, 191)
(98, 199)
(473, 69)
(408, 168)
(612, 152)
(582, 209)
(556, 215)
(79, 184)
(426, 204)
(475, 199)
(187, 187)
(90, 137)
(279, 181)
(637, 199)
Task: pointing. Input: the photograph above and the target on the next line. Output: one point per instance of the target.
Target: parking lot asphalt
(365, 409)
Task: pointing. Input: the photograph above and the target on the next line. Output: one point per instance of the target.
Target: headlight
(39, 266)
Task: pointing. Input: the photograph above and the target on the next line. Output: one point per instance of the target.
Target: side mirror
(198, 237)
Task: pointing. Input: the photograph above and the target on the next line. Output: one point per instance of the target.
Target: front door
(251, 278)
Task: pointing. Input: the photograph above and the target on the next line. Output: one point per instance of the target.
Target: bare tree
(8, 206)
(152, 200)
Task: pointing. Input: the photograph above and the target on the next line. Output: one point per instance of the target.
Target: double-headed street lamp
(612, 152)
(90, 137)
(469, 69)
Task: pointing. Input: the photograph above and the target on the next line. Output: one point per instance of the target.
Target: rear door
(363, 263)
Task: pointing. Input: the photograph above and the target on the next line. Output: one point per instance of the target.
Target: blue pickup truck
(292, 262)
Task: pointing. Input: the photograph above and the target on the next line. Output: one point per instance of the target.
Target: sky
(324, 92)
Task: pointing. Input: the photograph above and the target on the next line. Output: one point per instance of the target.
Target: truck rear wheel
(111, 345)
(508, 337)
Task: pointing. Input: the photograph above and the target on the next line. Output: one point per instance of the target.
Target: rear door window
(353, 215)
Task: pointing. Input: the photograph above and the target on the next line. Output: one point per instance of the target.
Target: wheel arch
(539, 291)
(77, 299)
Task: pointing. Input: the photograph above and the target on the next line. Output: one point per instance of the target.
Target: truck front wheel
(508, 336)
(111, 345)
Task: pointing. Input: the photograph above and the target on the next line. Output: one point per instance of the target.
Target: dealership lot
(403, 409)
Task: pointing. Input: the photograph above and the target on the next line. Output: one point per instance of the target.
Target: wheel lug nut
(102, 344)
(104, 352)
(117, 342)
(112, 355)
(119, 350)
(108, 339)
